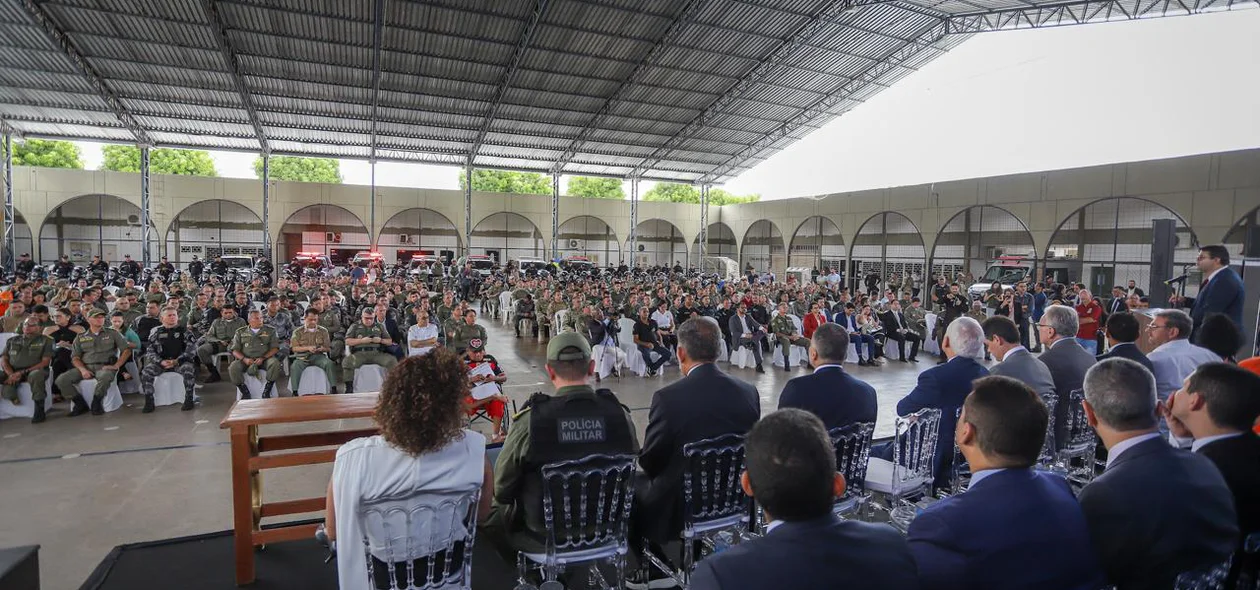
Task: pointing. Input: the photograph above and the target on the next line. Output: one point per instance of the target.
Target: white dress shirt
(664, 320)
(1174, 361)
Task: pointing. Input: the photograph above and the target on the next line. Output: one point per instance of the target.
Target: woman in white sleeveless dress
(422, 452)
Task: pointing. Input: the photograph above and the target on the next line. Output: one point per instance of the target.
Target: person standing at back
(831, 393)
(791, 473)
(704, 404)
(1221, 292)
(1156, 511)
(1004, 530)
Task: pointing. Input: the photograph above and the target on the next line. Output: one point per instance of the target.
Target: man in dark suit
(705, 403)
(999, 533)
(1117, 303)
(1217, 407)
(830, 393)
(1065, 358)
(1221, 291)
(946, 386)
(748, 332)
(1002, 338)
(897, 329)
(1122, 335)
(791, 472)
(1156, 511)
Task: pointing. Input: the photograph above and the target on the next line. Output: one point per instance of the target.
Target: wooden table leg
(243, 503)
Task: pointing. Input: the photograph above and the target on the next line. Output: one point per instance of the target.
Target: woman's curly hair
(421, 406)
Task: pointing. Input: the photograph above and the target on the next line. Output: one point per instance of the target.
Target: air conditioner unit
(404, 238)
(575, 244)
(332, 237)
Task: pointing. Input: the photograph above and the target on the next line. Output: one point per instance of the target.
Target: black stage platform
(205, 562)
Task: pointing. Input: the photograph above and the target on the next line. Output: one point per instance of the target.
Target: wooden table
(252, 453)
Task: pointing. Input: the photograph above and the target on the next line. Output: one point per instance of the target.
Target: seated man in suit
(1122, 335)
(896, 328)
(1156, 511)
(830, 393)
(1066, 360)
(705, 403)
(791, 472)
(1216, 408)
(1002, 337)
(1001, 531)
(747, 332)
(848, 319)
(945, 387)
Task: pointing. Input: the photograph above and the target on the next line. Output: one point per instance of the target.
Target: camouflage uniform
(175, 344)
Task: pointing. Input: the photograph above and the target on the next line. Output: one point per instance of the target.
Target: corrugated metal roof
(689, 90)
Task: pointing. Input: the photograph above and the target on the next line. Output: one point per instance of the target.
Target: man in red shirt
(813, 320)
(1090, 313)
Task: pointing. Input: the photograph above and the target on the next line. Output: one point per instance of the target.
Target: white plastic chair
(369, 378)
(113, 398)
(505, 306)
(634, 360)
(168, 389)
(313, 381)
(558, 320)
(26, 406)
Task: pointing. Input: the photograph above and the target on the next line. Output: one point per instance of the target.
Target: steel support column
(9, 245)
(145, 258)
(555, 214)
(266, 204)
(634, 219)
(372, 210)
(468, 176)
(704, 222)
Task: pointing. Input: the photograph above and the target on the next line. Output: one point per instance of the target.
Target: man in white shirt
(1174, 357)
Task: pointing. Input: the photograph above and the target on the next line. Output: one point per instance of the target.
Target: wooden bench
(252, 453)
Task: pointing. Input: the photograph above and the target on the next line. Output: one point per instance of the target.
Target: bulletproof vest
(568, 427)
(170, 342)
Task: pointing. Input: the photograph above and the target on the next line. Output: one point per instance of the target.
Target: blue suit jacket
(943, 387)
(833, 395)
(1223, 294)
(1017, 528)
(823, 554)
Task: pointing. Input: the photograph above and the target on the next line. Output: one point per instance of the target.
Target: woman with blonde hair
(423, 451)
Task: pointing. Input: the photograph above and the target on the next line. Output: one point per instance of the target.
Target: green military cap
(95, 311)
(568, 346)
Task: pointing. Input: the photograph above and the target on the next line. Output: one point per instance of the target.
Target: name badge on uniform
(582, 430)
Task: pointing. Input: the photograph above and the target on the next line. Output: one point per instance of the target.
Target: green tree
(43, 153)
(301, 169)
(595, 188)
(503, 181)
(126, 158)
(672, 192)
(720, 197)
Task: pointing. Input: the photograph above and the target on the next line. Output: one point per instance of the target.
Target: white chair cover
(26, 407)
(369, 378)
(254, 385)
(929, 344)
(113, 398)
(132, 386)
(168, 389)
(634, 360)
(313, 381)
(743, 357)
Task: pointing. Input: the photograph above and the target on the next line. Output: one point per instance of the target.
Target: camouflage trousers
(150, 373)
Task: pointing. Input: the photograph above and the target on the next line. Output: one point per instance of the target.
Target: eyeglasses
(1156, 327)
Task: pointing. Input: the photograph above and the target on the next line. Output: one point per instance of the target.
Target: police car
(483, 265)
(316, 261)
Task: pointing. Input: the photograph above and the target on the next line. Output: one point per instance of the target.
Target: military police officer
(367, 339)
(467, 330)
(784, 330)
(255, 347)
(97, 353)
(25, 360)
(170, 348)
(330, 319)
(309, 347)
(218, 338)
(539, 436)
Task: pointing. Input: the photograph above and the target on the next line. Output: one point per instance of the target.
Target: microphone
(1180, 279)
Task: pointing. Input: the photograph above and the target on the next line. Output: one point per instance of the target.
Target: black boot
(214, 375)
(244, 391)
(98, 405)
(188, 402)
(80, 406)
(349, 387)
(148, 404)
(39, 413)
(267, 389)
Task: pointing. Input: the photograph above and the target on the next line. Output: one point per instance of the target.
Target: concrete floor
(78, 487)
